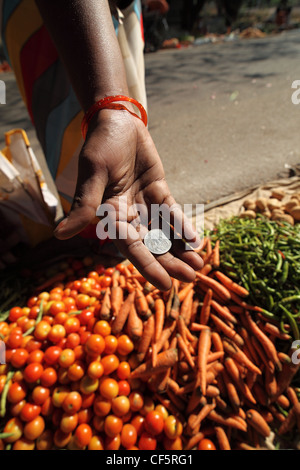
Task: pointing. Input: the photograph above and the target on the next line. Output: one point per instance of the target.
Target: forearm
(84, 35)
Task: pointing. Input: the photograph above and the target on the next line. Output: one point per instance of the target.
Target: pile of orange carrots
(213, 359)
(200, 351)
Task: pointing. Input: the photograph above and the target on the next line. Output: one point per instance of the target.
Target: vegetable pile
(105, 361)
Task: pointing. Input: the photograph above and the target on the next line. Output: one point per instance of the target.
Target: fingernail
(60, 225)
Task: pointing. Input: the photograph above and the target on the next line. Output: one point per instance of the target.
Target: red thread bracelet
(109, 103)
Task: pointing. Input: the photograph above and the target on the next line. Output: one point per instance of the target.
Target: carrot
(234, 373)
(284, 378)
(222, 291)
(270, 383)
(184, 291)
(186, 307)
(260, 394)
(180, 404)
(208, 251)
(145, 341)
(105, 311)
(120, 320)
(194, 440)
(148, 287)
(296, 404)
(215, 255)
(274, 330)
(229, 421)
(205, 309)
(203, 413)
(184, 348)
(223, 441)
(159, 309)
(236, 309)
(181, 327)
(134, 324)
(227, 330)
(255, 419)
(167, 403)
(116, 299)
(215, 356)
(232, 393)
(207, 268)
(172, 385)
(217, 341)
(223, 312)
(264, 340)
(234, 351)
(141, 304)
(231, 285)
(289, 422)
(252, 352)
(168, 329)
(195, 309)
(283, 401)
(265, 360)
(213, 371)
(204, 345)
(197, 327)
(165, 360)
(212, 391)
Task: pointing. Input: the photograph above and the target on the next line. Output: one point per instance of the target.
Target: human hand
(119, 162)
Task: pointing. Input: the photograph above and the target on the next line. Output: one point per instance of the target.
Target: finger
(88, 197)
(190, 257)
(136, 252)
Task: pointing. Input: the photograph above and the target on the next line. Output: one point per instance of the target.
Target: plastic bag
(27, 206)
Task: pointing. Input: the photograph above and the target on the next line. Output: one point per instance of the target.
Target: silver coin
(157, 242)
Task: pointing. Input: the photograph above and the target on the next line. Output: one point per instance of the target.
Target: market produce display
(99, 359)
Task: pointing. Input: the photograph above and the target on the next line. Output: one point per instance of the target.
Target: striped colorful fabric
(46, 90)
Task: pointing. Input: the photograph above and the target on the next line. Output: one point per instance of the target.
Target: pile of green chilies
(264, 257)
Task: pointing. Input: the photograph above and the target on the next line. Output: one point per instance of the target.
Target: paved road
(220, 114)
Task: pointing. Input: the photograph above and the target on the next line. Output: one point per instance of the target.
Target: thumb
(88, 196)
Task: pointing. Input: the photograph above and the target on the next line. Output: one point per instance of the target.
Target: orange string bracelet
(109, 103)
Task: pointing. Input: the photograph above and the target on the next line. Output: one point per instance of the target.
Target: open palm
(119, 167)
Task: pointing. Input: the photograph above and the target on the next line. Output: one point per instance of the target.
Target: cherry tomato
(19, 358)
(68, 422)
(52, 355)
(66, 358)
(30, 411)
(40, 394)
(96, 443)
(56, 333)
(45, 440)
(112, 443)
(72, 402)
(87, 399)
(85, 415)
(147, 442)
(16, 408)
(173, 444)
(124, 388)
(82, 302)
(48, 377)
(14, 426)
(111, 344)
(120, 405)
(128, 436)
(109, 388)
(154, 423)
(110, 363)
(41, 330)
(83, 434)
(95, 370)
(15, 313)
(172, 427)
(37, 355)
(59, 394)
(76, 371)
(15, 339)
(125, 345)
(105, 281)
(95, 344)
(72, 325)
(124, 370)
(113, 425)
(61, 439)
(136, 401)
(88, 385)
(23, 444)
(101, 406)
(57, 307)
(47, 407)
(102, 327)
(33, 372)
(138, 422)
(33, 429)
(73, 340)
(17, 392)
(206, 444)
